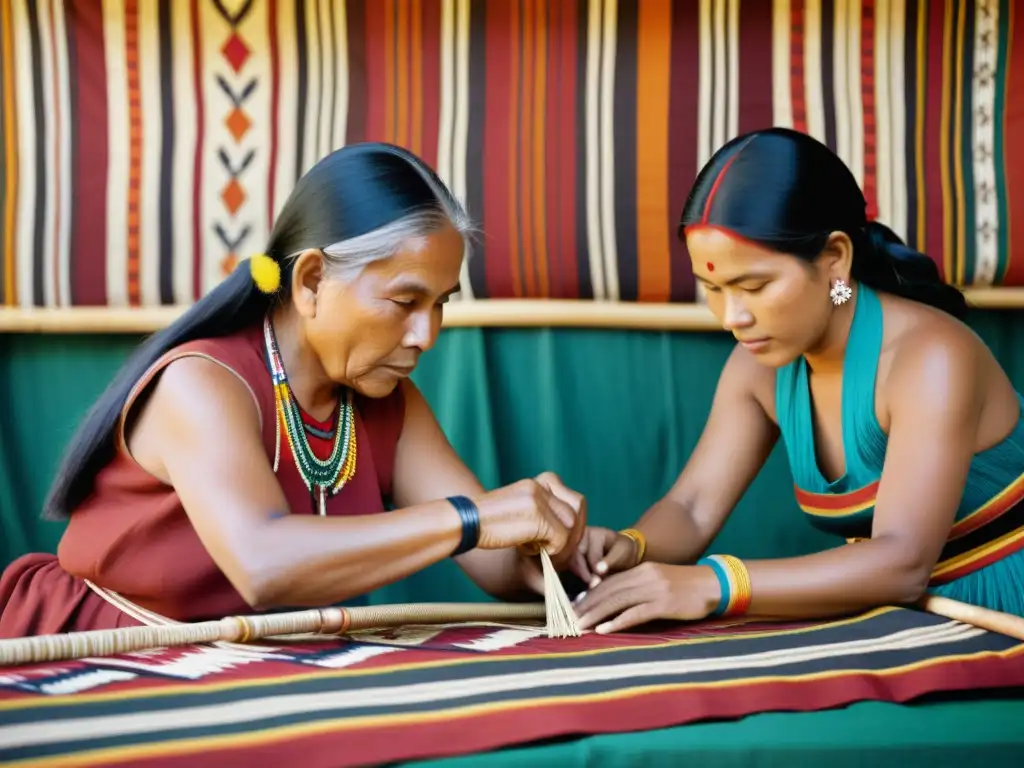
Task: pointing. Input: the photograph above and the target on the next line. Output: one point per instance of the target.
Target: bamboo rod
(339, 621)
(983, 618)
(484, 313)
(246, 629)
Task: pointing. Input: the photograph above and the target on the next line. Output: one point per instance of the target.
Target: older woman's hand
(542, 513)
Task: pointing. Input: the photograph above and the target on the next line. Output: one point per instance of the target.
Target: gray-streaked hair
(346, 259)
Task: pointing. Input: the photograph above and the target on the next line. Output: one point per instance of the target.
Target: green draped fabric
(614, 412)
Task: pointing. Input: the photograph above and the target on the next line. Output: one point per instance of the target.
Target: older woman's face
(776, 305)
(370, 331)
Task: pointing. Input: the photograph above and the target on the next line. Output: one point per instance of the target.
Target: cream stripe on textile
(986, 63)
(895, 110)
(609, 248)
(782, 97)
(118, 161)
(813, 85)
(460, 119)
(855, 116)
(150, 187)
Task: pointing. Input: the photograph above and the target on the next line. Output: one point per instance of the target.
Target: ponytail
(884, 262)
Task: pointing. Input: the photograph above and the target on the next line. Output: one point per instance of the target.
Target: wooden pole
(484, 313)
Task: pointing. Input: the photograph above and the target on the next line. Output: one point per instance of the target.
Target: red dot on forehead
(711, 267)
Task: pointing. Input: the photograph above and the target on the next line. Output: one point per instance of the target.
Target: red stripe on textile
(89, 239)
(498, 136)
(990, 510)
(867, 92)
(561, 151)
(798, 95)
(429, 79)
(135, 130)
(1013, 147)
(934, 145)
(837, 501)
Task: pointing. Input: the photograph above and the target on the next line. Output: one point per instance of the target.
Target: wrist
(639, 543)
(469, 518)
(730, 593)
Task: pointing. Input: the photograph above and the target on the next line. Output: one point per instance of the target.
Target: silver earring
(840, 293)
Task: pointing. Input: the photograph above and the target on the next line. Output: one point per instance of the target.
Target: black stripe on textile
(856, 527)
(624, 115)
(40, 212)
(166, 154)
(1009, 521)
(302, 86)
(475, 161)
(828, 91)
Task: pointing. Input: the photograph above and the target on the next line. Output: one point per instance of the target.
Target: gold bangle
(639, 539)
(739, 601)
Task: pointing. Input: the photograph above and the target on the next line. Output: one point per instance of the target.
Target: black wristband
(470, 517)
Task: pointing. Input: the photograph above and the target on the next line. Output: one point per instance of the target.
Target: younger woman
(904, 435)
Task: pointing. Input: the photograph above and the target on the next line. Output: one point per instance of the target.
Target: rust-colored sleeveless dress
(132, 539)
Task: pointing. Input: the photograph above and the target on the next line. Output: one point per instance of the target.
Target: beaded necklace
(321, 476)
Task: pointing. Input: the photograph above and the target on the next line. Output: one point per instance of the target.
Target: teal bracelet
(723, 583)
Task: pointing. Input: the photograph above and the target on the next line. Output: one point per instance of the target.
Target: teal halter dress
(982, 562)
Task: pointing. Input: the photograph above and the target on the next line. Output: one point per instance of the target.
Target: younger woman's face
(370, 331)
(776, 305)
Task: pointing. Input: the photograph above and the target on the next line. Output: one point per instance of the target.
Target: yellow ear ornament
(266, 272)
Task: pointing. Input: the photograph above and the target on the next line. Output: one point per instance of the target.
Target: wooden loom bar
(489, 313)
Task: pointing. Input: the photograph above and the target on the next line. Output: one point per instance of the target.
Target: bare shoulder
(931, 363)
(191, 396)
(743, 375)
(927, 349)
(199, 383)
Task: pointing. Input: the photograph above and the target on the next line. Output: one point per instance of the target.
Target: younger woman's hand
(604, 552)
(648, 592)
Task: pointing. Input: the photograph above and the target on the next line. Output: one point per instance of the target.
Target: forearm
(297, 560)
(501, 573)
(672, 534)
(850, 578)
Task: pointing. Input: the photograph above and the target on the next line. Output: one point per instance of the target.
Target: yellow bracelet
(734, 580)
(639, 539)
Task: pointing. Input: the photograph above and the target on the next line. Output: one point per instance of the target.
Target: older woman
(244, 458)
(904, 435)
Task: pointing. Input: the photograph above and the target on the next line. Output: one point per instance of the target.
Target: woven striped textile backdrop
(147, 144)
